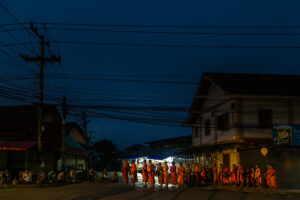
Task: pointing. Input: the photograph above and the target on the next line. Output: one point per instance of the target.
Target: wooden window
(207, 127)
(232, 110)
(196, 132)
(265, 119)
(223, 122)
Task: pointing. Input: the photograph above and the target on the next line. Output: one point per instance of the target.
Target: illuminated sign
(286, 134)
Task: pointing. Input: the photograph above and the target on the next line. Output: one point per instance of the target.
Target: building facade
(233, 115)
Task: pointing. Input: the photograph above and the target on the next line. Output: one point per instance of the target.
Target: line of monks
(194, 175)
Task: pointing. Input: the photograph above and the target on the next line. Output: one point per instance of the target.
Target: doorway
(226, 160)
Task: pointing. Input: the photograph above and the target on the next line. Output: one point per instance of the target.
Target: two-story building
(18, 139)
(232, 118)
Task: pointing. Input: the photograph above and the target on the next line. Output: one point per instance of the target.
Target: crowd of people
(193, 175)
(38, 177)
(103, 177)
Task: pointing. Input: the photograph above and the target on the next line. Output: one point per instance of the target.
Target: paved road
(95, 191)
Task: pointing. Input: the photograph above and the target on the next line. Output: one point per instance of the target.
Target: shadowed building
(232, 118)
(18, 136)
(18, 139)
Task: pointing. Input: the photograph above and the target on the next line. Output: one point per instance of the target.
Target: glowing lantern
(264, 151)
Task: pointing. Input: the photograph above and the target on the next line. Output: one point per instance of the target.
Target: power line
(177, 45)
(172, 26)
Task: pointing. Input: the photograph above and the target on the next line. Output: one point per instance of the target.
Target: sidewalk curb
(250, 190)
(36, 185)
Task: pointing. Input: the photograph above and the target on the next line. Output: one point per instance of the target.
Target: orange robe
(252, 176)
(180, 179)
(268, 177)
(166, 174)
(203, 177)
(226, 175)
(215, 174)
(273, 179)
(125, 171)
(133, 173)
(188, 175)
(221, 174)
(145, 173)
(151, 172)
(160, 174)
(173, 175)
(240, 175)
(257, 177)
(233, 176)
(197, 175)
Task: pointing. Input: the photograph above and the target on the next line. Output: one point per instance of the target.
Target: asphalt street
(109, 191)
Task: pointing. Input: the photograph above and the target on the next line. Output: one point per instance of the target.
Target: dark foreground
(94, 191)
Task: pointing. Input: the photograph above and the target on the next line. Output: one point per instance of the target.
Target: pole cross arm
(52, 58)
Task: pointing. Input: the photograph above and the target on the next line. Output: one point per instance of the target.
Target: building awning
(76, 152)
(152, 153)
(17, 145)
(73, 143)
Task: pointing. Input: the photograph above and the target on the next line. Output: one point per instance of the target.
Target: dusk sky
(123, 69)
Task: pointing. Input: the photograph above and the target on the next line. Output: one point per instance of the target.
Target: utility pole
(84, 123)
(42, 61)
(63, 131)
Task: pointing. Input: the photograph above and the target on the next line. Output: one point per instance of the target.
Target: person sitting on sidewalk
(115, 178)
(41, 177)
(61, 177)
(27, 177)
(73, 174)
(104, 175)
(7, 177)
(51, 176)
(1, 178)
(20, 177)
(92, 175)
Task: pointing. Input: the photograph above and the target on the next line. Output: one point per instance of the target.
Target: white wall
(250, 107)
(215, 96)
(250, 116)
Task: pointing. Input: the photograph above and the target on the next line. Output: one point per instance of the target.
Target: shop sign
(286, 134)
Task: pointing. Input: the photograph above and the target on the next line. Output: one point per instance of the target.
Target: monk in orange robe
(197, 174)
(203, 176)
(160, 174)
(173, 175)
(247, 176)
(166, 174)
(273, 178)
(189, 174)
(215, 174)
(257, 176)
(226, 175)
(151, 172)
(252, 176)
(221, 173)
(181, 172)
(267, 175)
(234, 174)
(145, 173)
(240, 175)
(125, 170)
(133, 173)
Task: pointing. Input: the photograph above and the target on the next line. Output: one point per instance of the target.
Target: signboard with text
(286, 134)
